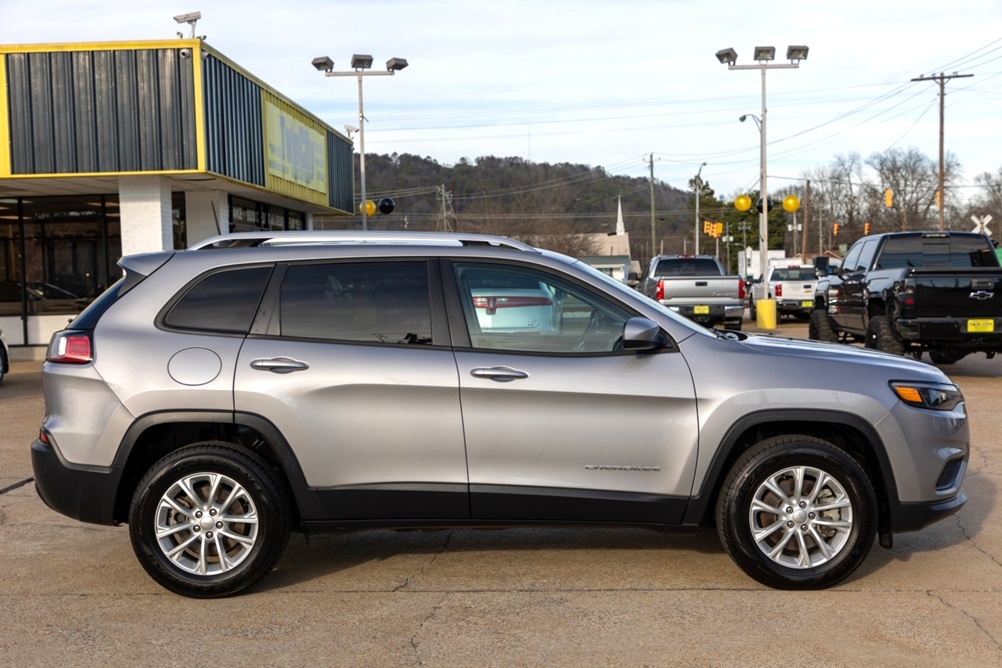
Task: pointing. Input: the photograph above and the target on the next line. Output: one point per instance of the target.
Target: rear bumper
(952, 331)
(708, 313)
(85, 494)
(805, 305)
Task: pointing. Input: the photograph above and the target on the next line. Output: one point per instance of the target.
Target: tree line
(559, 205)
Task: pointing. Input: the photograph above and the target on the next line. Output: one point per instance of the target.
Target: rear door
(349, 361)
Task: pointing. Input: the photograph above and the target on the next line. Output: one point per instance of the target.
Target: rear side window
(372, 302)
(224, 302)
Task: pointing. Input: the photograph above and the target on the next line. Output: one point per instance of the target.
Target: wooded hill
(519, 199)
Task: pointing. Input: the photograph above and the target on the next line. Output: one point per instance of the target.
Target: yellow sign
(296, 152)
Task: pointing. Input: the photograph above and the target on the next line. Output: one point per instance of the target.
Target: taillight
(492, 304)
(659, 294)
(779, 289)
(741, 289)
(70, 347)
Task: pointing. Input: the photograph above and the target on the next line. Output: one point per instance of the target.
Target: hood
(838, 353)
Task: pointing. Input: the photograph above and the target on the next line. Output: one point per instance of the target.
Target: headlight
(935, 397)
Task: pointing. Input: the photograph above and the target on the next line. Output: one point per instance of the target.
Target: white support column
(145, 206)
(309, 220)
(207, 213)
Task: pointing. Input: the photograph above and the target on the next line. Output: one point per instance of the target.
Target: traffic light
(835, 230)
(718, 230)
(707, 227)
(888, 198)
(866, 228)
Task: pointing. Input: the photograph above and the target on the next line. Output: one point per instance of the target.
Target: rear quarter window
(224, 302)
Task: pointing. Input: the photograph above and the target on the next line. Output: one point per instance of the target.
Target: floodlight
(188, 18)
(361, 62)
(323, 63)
(796, 53)
(727, 56)
(394, 64)
(764, 53)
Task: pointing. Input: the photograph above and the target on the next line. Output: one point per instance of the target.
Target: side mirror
(641, 334)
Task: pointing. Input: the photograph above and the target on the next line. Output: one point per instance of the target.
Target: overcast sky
(602, 83)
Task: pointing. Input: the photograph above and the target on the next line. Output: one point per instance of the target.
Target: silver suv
(216, 399)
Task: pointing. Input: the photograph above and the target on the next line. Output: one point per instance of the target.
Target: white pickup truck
(791, 285)
(698, 287)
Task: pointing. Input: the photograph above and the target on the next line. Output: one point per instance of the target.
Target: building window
(59, 253)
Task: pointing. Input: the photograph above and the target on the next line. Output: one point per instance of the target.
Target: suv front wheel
(797, 512)
(209, 520)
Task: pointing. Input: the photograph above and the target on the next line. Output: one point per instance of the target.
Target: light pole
(359, 64)
(696, 185)
(763, 54)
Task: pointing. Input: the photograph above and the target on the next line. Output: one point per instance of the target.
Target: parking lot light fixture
(361, 67)
(763, 54)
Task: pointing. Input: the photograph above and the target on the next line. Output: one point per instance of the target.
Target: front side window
(372, 302)
(525, 310)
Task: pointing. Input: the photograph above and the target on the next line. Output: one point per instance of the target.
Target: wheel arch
(154, 436)
(847, 431)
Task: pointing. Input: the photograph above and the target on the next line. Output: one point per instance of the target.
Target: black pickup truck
(915, 292)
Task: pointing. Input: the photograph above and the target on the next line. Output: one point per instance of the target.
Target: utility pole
(941, 79)
(653, 243)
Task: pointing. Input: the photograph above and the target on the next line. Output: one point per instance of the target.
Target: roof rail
(316, 237)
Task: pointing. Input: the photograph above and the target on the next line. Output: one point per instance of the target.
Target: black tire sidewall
(752, 470)
(253, 476)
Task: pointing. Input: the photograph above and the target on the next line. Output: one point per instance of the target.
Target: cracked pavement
(73, 594)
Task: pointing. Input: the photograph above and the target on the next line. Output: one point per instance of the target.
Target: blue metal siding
(101, 111)
(340, 173)
(234, 129)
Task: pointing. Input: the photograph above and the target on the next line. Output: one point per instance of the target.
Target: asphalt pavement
(74, 595)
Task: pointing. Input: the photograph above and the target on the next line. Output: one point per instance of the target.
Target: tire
(820, 327)
(880, 336)
(816, 537)
(752, 312)
(3, 364)
(174, 497)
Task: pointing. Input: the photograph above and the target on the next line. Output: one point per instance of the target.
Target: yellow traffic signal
(707, 227)
(718, 229)
(866, 228)
(835, 230)
(888, 198)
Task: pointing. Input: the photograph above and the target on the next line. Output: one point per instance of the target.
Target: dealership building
(114, 148)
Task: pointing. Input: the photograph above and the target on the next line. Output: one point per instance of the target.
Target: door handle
(279, 365)
(502, 374)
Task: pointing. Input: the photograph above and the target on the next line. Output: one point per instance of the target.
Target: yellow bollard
(765, 313)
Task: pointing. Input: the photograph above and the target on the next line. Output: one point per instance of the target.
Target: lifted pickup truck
(696, 286)
(792, 286)
(915, 292)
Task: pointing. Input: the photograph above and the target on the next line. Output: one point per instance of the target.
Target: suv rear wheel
(209, 520)
(820, 327)
(797, 512)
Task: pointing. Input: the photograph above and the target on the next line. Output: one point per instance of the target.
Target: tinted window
(222, 302)
(956, 252)
(690, 266)
(793, 274)
(380, 302)
(517, 309)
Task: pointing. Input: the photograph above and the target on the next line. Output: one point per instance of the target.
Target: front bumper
(85, 494)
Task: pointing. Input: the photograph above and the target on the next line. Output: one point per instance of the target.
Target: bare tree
(913, 179)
